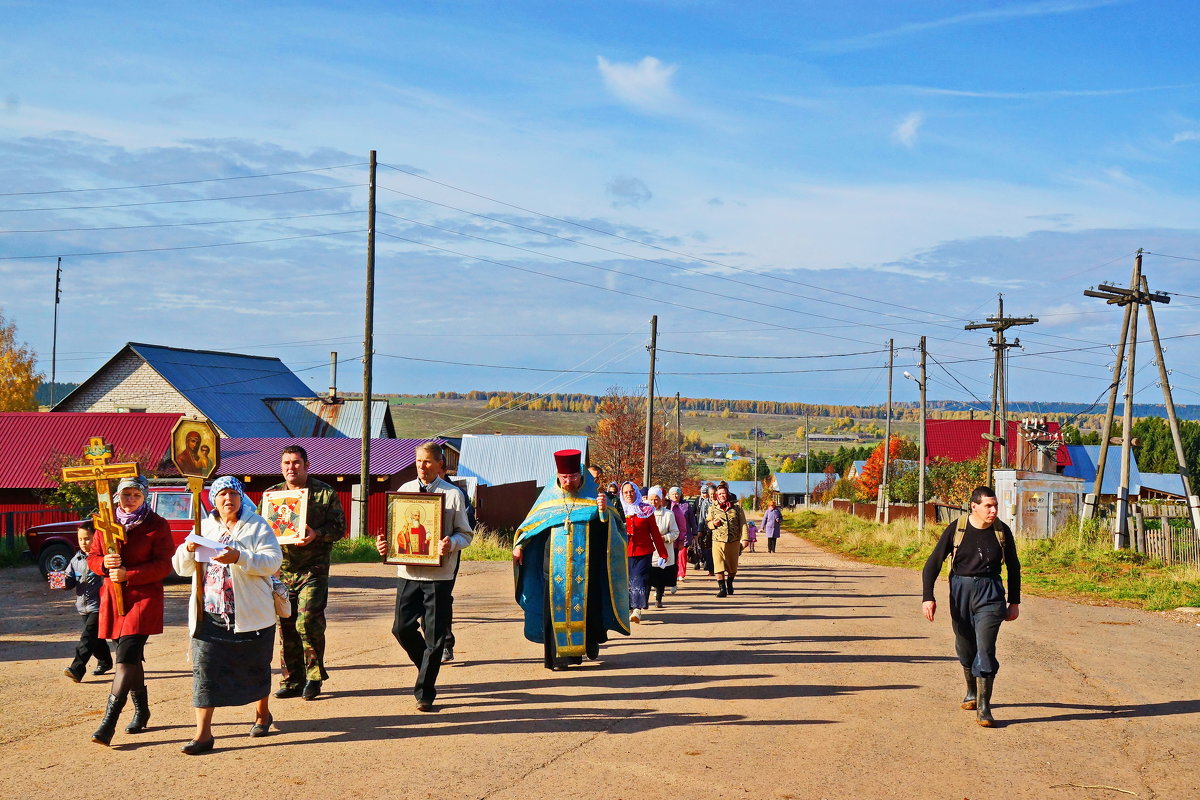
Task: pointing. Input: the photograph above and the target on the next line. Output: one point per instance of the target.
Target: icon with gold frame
(195, 447)
(414, 527)
(286, 511)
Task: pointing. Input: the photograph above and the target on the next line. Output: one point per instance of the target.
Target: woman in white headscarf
(645, 543)
(663, 572)
(232, 613)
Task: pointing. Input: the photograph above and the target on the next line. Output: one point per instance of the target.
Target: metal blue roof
(304, 416)
(1170, 482)
(794, 482)
(496, 459)
(228, 388)
(1083, 465)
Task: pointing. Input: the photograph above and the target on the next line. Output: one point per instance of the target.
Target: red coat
(644, 537)
(146, 556)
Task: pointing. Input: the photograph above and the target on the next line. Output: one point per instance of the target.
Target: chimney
(333, 375)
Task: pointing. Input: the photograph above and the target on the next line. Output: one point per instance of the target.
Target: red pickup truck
(54, 544)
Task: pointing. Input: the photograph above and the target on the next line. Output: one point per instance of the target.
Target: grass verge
(1072, 564)
(485, 546)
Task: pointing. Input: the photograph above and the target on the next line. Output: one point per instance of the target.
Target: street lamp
(921, 455)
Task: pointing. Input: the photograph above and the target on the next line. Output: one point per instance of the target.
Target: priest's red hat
(568, 462)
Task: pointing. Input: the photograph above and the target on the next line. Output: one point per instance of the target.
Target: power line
(182, 183)
(823, 355)
(185, 224)
(189, 200)
(1164, 255)
(180, 247)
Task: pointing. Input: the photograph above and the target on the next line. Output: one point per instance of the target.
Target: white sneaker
(635, 615)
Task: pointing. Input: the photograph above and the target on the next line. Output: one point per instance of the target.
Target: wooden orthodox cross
(101, 472)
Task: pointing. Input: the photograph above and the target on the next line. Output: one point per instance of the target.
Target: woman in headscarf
(139, 567)
(771, 521)
(232, 613)
(685, 518)
(727, 522)
(662, 570)
(645, 542)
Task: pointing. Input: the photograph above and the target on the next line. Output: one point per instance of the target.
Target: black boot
(983, 709)
(722, 592)
(968, 702)
(141, 711)
(729, 584)
(108, 725)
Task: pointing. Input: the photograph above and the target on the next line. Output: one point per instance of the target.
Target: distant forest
(587, 403)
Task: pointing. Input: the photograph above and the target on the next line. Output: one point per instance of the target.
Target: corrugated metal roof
(794, 482)
(495, 459)
(304, 416)
(1169, 482)
(228, 388)
(962, 439)
(326, 455)
(1083, 465)
(28, 440)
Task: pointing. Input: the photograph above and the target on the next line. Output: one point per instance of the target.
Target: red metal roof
(961, 439)
(30, 439)
(326, 455)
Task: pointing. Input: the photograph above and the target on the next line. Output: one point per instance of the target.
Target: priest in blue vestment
(572, 576)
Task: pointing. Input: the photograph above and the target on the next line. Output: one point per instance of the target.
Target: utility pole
(678, 426)
(999, 324)
(1138, 295)
(807, 468)
(884, 509)
(1192, 500)
(921, 457)
(757, 432)
(54, 335)
(649, 451)
(364, 477)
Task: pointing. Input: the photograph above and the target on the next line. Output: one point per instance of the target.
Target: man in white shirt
(423, 595)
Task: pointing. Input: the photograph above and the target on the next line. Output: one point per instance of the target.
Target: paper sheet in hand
(206, 549)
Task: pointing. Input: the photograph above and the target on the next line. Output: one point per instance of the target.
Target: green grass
(485, 546)
(1072, 564)
(12, 552)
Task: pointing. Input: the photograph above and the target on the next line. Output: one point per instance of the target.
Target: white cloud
(906, 132)
(645, 85)
(1186, 136)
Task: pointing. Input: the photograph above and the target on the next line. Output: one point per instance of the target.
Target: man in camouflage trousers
(305, 571)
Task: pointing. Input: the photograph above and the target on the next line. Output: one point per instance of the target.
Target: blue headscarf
(230, 482)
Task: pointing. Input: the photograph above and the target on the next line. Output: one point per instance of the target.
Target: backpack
(960, 530)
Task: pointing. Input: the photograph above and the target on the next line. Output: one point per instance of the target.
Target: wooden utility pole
(807, 468)
(921, 457)
(678, 426)
(883, 510)
(1192, 500)
(649, 451)
(54, 335)
(1133, 298)
(364, 477)
(999, 324)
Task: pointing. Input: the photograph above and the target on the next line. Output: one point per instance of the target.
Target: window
(173, 505)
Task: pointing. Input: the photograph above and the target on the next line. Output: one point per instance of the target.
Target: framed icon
(414, 528)
(195, 447)
(286, 511)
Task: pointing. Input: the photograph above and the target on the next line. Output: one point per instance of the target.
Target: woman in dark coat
(142, 563)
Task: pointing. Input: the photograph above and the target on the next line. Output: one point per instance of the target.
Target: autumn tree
(872, 473)
(739, 470)
(19, 380)
(618, 445)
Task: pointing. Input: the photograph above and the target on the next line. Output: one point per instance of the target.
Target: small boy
(87, 586)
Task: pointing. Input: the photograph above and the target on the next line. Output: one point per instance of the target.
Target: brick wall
(128, 382)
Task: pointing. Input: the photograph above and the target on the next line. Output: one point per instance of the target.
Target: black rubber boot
(968, 702)
(108, 725)
(721, 591)
(141, 711)
(729, 584)
(983, 709)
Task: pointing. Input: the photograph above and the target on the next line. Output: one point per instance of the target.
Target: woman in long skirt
(232, 613)
(663, 572)
(644, 542)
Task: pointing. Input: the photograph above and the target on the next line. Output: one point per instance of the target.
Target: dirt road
(818, 679)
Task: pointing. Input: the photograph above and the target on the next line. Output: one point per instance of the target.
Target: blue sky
(770, 179)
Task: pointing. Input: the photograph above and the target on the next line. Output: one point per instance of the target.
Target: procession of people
(587, 562)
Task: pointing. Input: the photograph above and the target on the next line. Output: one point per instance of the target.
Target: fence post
(1139, 526)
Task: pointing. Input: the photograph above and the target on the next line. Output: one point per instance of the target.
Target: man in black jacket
(978, 545)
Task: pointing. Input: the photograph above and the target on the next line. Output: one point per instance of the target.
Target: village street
(818, 679)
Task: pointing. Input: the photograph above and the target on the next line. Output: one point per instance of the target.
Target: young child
(87, 586)
(751, 534)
